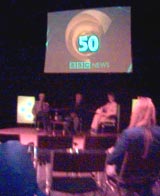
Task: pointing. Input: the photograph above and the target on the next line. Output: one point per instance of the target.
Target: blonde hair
(143, 113)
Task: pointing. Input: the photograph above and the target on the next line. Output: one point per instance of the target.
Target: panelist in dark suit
(77, 114)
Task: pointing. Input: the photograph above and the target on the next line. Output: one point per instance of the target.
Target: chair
(111, 126)
(136, 172)
(42, 121)
(54, 142)
(45, 143)
(100, 142)
(77, 167)
(58, 127)
(7, 137)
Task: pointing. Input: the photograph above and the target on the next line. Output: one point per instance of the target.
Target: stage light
(24, 109)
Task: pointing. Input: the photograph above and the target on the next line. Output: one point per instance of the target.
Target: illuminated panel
(24, 109)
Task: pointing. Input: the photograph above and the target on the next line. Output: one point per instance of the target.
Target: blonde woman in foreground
(142, 136)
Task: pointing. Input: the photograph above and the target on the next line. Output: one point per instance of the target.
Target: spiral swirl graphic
(88, 22)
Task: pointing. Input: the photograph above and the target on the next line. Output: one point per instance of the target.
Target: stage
(30, 134)
(27, 134)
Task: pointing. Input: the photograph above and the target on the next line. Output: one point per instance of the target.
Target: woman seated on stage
(105, 114)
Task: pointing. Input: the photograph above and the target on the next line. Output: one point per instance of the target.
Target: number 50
(88, 43)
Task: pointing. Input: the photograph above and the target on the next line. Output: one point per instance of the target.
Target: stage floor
(29, 134)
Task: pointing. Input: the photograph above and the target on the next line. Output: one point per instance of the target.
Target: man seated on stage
(77, 114)
(41, 112)
(105, 114)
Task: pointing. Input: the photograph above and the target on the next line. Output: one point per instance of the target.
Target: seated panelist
(76, 119)
(41, 112)
(105, 114)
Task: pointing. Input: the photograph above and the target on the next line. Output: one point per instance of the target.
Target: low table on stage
(58, 126)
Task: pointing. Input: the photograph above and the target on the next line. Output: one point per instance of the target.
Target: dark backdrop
(22, 53)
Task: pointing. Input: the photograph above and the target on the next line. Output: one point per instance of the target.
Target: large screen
(89, 41)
